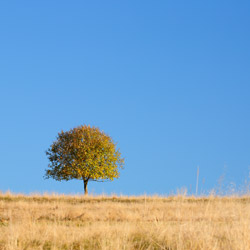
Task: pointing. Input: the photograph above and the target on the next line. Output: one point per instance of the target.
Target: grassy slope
(101, 222)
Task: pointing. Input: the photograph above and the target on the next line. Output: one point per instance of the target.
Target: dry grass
(101, 222)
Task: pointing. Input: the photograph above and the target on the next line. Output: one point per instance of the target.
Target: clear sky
(168, 80)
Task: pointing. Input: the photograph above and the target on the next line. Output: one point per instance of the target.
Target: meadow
(123, 222)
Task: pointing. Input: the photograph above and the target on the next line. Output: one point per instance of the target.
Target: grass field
(110, 222)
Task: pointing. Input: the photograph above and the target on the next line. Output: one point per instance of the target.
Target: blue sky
(168, 80)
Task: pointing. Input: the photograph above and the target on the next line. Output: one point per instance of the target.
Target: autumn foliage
(84, 153)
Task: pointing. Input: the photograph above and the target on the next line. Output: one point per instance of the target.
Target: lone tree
(84, 153)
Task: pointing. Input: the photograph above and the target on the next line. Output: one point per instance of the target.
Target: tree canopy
(84, 153)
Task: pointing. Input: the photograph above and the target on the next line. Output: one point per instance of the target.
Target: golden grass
(111, 222)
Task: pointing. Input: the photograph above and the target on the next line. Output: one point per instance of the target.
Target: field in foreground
(102, 222)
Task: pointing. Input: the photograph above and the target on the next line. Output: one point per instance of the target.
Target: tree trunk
(85, 186)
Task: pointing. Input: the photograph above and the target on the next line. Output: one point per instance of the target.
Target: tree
(84, 153)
